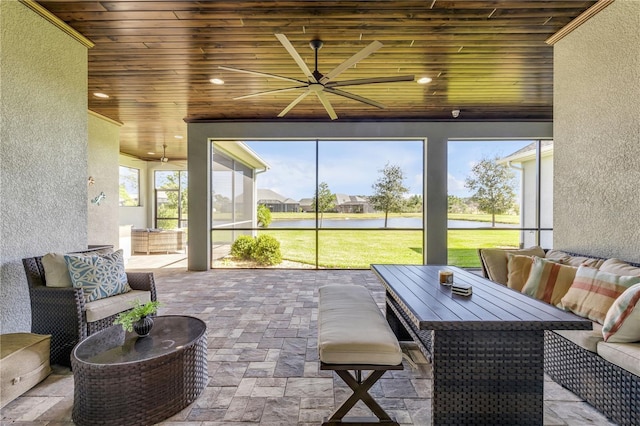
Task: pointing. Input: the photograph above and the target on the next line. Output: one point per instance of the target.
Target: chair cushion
(352, 329)
(549, 281)
(495, 261)
(593, 292)
(624, 355)
(98, 276)
(24, 363)
(622, 323)
(586, 339)
(103, 308)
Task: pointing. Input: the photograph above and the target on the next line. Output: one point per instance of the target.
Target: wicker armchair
(60, 311)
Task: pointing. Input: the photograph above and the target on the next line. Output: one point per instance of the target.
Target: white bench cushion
(352, 329)
(103, 308)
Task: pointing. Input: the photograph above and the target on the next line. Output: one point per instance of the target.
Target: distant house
(524, 160)
(352, 204)
(307, 205)
(276, 202)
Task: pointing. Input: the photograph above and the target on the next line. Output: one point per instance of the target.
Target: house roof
(528, 152)
(267, 194)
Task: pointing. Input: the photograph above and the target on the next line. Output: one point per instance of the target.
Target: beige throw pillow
(56, 273)
(518, 268)
(495, 261)
(619, 267)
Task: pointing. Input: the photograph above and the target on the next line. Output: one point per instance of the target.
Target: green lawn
(351, 249)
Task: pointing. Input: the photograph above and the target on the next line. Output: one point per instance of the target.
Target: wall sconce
(91, 180)
(98, 199)
(455, 113)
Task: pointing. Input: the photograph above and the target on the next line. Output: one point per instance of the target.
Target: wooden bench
(354, 335)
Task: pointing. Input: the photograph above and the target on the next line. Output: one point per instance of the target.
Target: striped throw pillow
(549, 281)
(622, 323)
(593, 292)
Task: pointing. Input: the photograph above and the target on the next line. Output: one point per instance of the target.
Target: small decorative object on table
(138, 318)
(462, 289)
(445, 277)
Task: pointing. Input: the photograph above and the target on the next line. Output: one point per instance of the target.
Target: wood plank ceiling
(155, 60)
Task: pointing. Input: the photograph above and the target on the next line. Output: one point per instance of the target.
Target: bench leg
(360, 393)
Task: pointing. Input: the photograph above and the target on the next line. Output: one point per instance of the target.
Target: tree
(264, 216)
(324, 200)
(388, 191)
(493, 186)
(414, 203)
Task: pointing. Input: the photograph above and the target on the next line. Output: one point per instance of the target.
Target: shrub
(243, 247)
(266, 250)
(264, 216)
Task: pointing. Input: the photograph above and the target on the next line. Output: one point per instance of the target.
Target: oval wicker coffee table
(123, 379)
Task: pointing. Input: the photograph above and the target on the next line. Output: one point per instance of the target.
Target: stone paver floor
(263, 364)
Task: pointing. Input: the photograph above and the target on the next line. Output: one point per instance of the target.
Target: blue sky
(353, 167)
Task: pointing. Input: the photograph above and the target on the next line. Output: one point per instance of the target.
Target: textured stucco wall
(597, 135)
(43, 150)
(103, 155)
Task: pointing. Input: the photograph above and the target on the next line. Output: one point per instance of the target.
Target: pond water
(395, 222)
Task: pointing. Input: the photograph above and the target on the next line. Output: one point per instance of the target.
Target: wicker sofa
(63, 313)
(157, 240)
(606, 375)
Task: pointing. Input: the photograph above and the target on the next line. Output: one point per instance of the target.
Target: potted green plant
(138, 318)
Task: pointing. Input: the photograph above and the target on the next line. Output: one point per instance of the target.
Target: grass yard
(357, 249)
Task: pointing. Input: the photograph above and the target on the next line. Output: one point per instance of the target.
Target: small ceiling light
(217, 81)
(100, 95)
(179, 137)
(424, 80)
(151, 153)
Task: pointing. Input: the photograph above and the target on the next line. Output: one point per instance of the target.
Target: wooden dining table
(486, 350)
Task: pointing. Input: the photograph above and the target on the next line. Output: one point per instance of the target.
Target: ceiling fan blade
(269, 91)
(354, 97)
(294, 103)
(373, 80)
(262, 74)
(351, 61)
(327, 105)
(296, 57)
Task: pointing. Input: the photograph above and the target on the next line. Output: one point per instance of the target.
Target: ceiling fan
(321, 84)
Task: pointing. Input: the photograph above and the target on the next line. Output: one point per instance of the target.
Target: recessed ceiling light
(150, 153)
(100, 95)
(217, 81)
(424, 80)
(179, 137)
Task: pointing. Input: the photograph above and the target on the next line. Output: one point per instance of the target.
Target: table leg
(488, 377)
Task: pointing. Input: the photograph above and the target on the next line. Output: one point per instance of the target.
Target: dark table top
(432, 306)
(115, 346)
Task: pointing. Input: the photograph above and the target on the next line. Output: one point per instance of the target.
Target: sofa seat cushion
(103, 308)
(624, 355)
(24, 362)
(586, 339)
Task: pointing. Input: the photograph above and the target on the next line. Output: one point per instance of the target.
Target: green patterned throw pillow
(98, 276)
